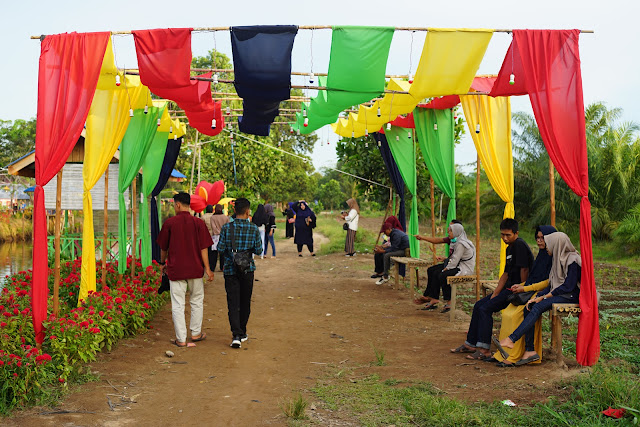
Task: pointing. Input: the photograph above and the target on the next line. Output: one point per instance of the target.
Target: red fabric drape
(512, 64)
(67, 77)
(164, 60)
(551, 66)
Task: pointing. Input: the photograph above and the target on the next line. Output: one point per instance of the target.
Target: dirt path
(307, 314)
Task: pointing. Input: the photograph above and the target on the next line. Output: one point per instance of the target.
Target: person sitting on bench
(378, 250)
(399, 242)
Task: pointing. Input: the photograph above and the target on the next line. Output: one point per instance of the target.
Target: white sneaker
(236, 342)
(382, 280)
(244, 337)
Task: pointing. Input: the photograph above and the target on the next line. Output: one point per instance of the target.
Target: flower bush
(119, 308)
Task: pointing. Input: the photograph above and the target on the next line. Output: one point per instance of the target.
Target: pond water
(14, 257)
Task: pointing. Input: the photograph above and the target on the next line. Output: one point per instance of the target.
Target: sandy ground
(308, 314)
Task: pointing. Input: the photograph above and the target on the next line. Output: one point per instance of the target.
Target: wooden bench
(454, 281)
(556, 314)
(412, 264)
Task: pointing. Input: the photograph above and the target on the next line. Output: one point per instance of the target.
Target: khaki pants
(178, 292)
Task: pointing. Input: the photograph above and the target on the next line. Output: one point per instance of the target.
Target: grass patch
(379, 356)
(405, 402)
(295, 407)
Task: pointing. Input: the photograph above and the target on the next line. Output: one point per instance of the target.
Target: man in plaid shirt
(238, 285)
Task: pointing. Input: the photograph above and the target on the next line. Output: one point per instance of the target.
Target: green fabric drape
(151, 168)
(357, 67)
(403, 149)
(437, 150)
(133, 150)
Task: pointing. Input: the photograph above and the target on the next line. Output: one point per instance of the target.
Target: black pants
(378, 259)
(289, 229)
(239, 288)
(213, 258)
(437, 279)
(310, 247)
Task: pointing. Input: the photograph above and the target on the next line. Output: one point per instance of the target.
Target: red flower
(101, 313)
(61, 379)
(141, 314)
(15, 375)
(132, 312)
(3, 324)
(53, 337)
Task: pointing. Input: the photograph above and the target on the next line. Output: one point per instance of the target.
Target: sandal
(446, 309)
(200, 338)
(430, 307)
(505, 365)
(477, 355)
(502, 351)
(463, 349)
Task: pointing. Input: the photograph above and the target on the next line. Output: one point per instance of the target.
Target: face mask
(454, 240)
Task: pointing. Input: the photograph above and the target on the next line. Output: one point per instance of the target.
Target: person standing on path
(239, 285)
(270, 230)
(305, 223)
(351, 219)
(290, 219)
(206, 217)
(183, 241)
(260, 220)
(217, 221)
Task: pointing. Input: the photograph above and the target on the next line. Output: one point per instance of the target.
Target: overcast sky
(610, 57)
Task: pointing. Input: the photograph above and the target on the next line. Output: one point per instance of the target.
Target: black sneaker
(236, 342)
(244, 337)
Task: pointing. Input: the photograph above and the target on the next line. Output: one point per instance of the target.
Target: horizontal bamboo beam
(322, 27)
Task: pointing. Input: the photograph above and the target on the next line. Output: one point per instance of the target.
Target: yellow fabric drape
(106, 125)
(449, 62)
(493, 145)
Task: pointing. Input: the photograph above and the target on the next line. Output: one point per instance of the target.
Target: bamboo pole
(320, 27)
(56, 243)
(552, 193)
(105, 229)
(478, 230)
(433, 217)
(134, 209)
(193, 163)
(199, 147)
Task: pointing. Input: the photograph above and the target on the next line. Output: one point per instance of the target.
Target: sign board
(72, 190)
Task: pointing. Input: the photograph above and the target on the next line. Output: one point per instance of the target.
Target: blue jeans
(527, 326)
(269, 239)
(481, 325)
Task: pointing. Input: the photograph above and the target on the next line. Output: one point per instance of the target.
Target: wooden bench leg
(452, 314)
(556, 338)
(396, 267)
(412, 271)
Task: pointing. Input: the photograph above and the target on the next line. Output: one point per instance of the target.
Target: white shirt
(352, 219)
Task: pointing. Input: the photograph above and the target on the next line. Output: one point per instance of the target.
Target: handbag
(520, 298)
(164, 285)
(345, 226)
(241, 259)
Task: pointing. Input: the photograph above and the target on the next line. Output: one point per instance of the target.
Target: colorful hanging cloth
(357, 67)
(493, 144)
(551, 69)
(262, 68)
(106, 125)
(68, 73)
(164, 60)
(403, 148)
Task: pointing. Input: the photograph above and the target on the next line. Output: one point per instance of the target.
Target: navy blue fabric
(262, 68)
(394, 174)
(542, 264)
(168, 163)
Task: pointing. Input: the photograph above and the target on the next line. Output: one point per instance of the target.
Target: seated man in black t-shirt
(516, 270)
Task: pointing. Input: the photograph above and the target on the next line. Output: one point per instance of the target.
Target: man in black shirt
(516, 270)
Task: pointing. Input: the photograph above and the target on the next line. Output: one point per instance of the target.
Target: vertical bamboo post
(199, 161)
(134, 244)
(433, 216)
(105, 230)
(193, 162)
(552, 192)
(478, 230)
(56, 243)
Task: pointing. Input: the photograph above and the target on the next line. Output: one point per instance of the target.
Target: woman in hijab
(351, 218)
(305, 223)
(461, 261)
(512, 316)
(260, 219)
(378, 256)
(270, 229)
(564, 287)
(217, 220)
(290, 219)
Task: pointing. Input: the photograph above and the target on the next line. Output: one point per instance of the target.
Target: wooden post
(134, 203)
(552, 193)
(105, 231)
(56, 268)
(199, 161)
(478, 230)
(433, 217)
(193, 163)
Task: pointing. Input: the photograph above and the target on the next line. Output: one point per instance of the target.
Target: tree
(17, 138)
(330, 194)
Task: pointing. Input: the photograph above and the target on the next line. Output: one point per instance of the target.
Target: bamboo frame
(433, 218)
(56, 243)
(193, 163)
(478, 230)
(105, 229)
(552, 192)
(316, 27)
(134, 243)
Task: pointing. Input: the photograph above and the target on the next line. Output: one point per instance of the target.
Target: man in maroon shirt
(183, 241)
